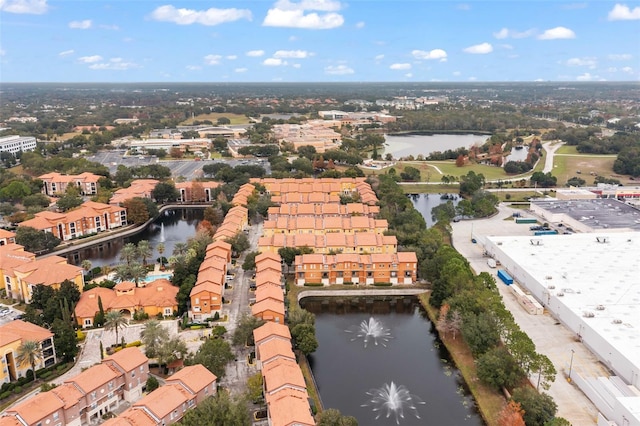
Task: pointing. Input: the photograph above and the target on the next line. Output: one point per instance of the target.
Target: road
(550, 338)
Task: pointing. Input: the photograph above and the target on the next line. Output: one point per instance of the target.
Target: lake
(171, 227)
(425, 202)
(400, 367)
(404, 145)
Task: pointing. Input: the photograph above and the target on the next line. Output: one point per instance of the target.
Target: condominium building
(12, 336)
(196, 192)
(139, 188)
(55, 184)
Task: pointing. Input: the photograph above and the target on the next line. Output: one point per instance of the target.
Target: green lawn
(567, 149)
(584, 166)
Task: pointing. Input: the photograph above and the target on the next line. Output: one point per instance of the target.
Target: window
(133, 374)
(111, 385)
(191, 402)
(142, 368)
(87, 321)
(56, 415)
(93, 395)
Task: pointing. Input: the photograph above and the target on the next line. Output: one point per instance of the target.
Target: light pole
(571, 365)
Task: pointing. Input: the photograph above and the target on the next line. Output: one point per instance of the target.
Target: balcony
(46, 343)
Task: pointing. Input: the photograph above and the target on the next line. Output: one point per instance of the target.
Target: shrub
(313, 284)
(216, 316)
(382, 284)
(80, 335)
(134, 344)
(117, 349)
(4, 395)
(17, 389)
(152, 383)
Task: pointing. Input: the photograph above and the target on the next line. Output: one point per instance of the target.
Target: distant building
(57, 184)
(14, 144)
(12, 336)
(196, 192)
(139, 188)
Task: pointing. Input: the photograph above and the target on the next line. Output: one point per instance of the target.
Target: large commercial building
(14, 144)
(589, 283)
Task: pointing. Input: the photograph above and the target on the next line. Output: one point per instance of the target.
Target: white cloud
(463, 6)
(274, 62)
(209, 17)
(31, 7)
(622, 12)
(293, 38)
(212, 59)
(80, 25)
(90, 59)
(582, 62)
(408, 75)
(115, 64)
(109, 27)
(472, 78)
(2, 52)
(293, 15)
(360, 25)
(404, 66)
(557, 33)
(66, 52)
(379, 57)
(620, 57)
(585, 77)
(612, 69)
(241, 70)
(338, 70)
(297, 54)
(194, 67)
(628, 70)
(232, 57)
(431, 54)
(297, 65)
(479, 49)
(507, 33)
(255, 53)
(457, 73)
(506, 46)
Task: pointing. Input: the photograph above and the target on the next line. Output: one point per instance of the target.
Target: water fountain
(372, 329)
(392, 399)
(162, 237)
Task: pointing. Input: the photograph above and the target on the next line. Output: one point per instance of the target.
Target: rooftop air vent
(536, 242)
(588, 314)
(617, 321)
(602, 240)
(600, 307)
(551, 287)
(560, 294)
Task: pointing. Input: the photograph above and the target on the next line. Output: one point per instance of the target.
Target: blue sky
(318, 40)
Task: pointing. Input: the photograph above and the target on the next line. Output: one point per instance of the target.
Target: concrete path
(549, 336)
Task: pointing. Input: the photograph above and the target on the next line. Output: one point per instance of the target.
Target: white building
(17, 143)
(591, 284)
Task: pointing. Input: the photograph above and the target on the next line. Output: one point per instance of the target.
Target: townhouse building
(196, 192)
(208, 291)
(84, 398)
(7, 237)
(20, 272)
(56, 184)
(155, 298)
(90, 218)
(300, 225)
(332, 243)
(369, 269)
(12, 335)
(139, 188)
(240, 198)
(322, 210)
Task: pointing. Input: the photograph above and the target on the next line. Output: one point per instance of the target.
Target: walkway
(550, 338)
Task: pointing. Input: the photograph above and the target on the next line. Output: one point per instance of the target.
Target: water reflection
(425, 202)
(172, 227)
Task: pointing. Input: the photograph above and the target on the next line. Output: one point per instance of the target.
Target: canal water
(173, 226)
(382, 363)
(404, 145)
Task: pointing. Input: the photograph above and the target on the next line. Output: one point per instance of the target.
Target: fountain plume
(393, 400)
(371, 330)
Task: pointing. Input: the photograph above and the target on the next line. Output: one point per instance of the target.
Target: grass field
(567, 149)
(213, 117)
(566, 166)
(432, 171)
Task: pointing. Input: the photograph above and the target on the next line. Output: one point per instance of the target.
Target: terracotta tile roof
(211, 275)
(264, 292)
(87, 306)
(268, 276)
(94, 377)
(138, 188)
(22, 330)
(49, 271)
(35, 409)
(10, 421)
(289, 407)
(267, 305)
(68, 393)
(271, 329)
(226, 246)
(264, 256)
(132, 417)
(128, 359)
(275, 348)
(6, 234)
(164, 400)
(282, 373)
(407, 257)
(269, 264)
(125, 286)
(195, 377)
(207, 286)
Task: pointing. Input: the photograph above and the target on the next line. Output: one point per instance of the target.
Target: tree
(298, 316)
(161, 248)
(65, 339)
(29, 353)
(250, 261)
(333, 417)
(539, 408)
(214, 354)
(511, 415)
(137, 212)
(70, 200)
(115, 320)
(165, 191)
(133, 272)
(220, 409)
(86, 265)
(99, 318)
(243, 334)
(144, 251)
(498, 369)
(255, 385)
(304, 337)
(152, 383)
(239, 243)
(153, 335)
(481, 332)
(171, 350)
(34, 240)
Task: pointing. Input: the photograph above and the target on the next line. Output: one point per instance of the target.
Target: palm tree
(137, 272)
(153, 336)
(160, 248)
(115, 320)
(30, 353)
(129, 253)
(86, 265)
(180, 249)
(144, 251)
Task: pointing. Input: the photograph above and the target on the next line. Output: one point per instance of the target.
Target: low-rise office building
(15, 144)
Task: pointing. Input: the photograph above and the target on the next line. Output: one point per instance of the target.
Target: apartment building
(196, 192)
(206, 295)
(139, 188)
(322, 210)
(240, 198)
(235, 221)
(90, 218)
(7, 237)
(12, 336)
(359, 243)
(156, 297)
(299, 225)
(166, 405)
(21, 272)
(369, 269)
(56, 184)
(83, 399)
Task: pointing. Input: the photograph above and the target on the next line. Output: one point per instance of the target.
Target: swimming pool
(148, 278)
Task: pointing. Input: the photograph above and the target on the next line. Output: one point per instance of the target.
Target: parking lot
(8, 314)
(188, 169)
